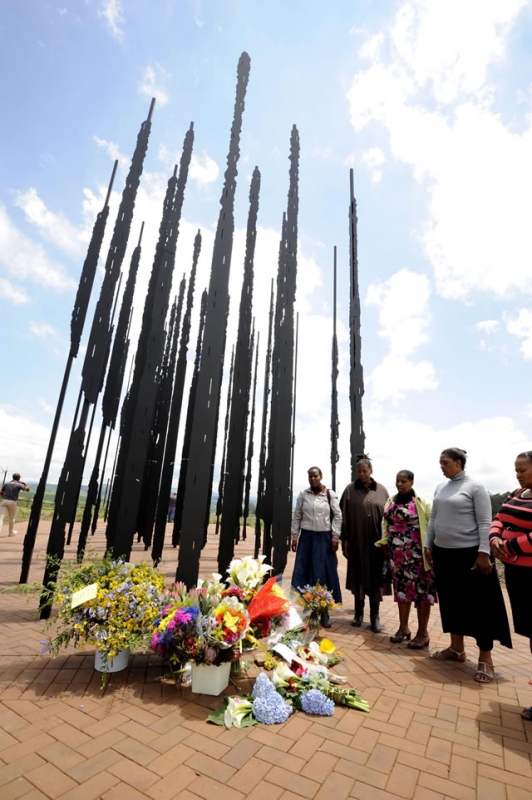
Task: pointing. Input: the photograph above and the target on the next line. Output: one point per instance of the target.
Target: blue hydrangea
(271, 708)
(263, 686)
(315, 702)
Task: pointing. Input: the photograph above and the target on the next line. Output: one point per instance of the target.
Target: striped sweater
(513, 523)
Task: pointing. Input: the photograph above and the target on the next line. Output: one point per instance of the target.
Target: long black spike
(77, 323)
(335, 421)
(175, 414)
(223, 475)
(185, 454)
(259, 511)
(356, 374)
(251, 440)
(203, 439)
(293, 438)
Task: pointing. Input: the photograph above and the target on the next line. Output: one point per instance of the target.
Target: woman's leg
(403, 631)
(423, 616)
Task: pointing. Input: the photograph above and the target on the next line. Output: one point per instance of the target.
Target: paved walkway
(432, 732)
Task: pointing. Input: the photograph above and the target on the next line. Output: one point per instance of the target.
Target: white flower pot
(116, 664)
(210, 679)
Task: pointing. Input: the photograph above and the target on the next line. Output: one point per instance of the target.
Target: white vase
(116, 664)
(210, 679)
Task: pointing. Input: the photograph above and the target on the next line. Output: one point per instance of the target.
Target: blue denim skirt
(315, 561)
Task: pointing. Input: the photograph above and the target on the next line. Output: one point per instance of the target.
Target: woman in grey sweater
(471, 601)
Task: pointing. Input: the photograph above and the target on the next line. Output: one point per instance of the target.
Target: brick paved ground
(432, 733)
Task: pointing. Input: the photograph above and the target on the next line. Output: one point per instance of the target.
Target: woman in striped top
(511, 541)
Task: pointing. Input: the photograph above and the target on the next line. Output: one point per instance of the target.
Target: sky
(429, 103)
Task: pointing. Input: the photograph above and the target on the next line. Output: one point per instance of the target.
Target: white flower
(247, 572)
(282, 674)
(237, 710)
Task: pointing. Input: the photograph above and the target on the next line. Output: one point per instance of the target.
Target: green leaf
(217, 716)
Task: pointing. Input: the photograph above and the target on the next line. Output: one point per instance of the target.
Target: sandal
(449, 655)
(526, 713)
(483, 675)
(400, 637)
(418, 644)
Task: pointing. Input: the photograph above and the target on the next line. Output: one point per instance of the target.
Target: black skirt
(471, 604)
(519, 585)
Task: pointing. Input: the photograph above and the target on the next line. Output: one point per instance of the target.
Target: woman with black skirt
(471, 601)
(511, 541)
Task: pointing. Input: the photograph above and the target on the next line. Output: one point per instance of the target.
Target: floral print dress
(411, 582)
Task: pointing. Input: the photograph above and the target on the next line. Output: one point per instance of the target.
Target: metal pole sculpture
(112, 392)
(223, 474)
(259, 510)
(356, 375)
(161, 418)
(79, 315)
(335, 421)
(283, 375)
(95, 364)
(175, 414)
(203, 438)
(238, 422)
(251, 439)
(124, 507)
(185, 454)
(293, 443)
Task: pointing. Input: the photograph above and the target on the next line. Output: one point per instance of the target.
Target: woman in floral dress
(404, 526)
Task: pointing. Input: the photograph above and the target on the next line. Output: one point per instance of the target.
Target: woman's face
(449, 466)
(314, 478)
(523, 472)
(364, 474)
(403, 483)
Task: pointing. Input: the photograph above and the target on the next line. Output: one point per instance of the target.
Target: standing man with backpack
(10, 492)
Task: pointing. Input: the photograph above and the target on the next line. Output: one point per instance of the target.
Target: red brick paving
(432, 734)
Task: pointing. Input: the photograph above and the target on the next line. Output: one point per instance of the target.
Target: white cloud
(372, 159)
(404, 318)
(112, 150)
(151, 84)
(26, 260)
(429, 89)
(112, 13)
(521, 327)
(12, 294)
(371, 47)
(488, 326)
(203, 170)
(54, 227)
(46, 407)
(42, 330)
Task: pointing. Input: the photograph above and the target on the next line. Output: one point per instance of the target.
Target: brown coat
(362, 511)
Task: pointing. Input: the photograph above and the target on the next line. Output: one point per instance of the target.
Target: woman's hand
(497, 548)
(483, 563)
(294, 545)
(428, 556)
(334, 545)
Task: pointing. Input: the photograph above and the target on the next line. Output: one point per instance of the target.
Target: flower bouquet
(199, 625)
(315, 600)
(107, 603)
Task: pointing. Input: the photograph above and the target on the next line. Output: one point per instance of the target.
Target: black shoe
(359, 615)
(325, 621)
(375, 625)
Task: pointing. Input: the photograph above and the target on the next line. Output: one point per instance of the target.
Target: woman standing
(318, 516)
(362, 507)
(511, 541)
(471, 601)
(404, 527)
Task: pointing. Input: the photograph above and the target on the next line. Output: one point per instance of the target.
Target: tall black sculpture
(251, 436)
(175, 414)
(112, 392)
(95, 364)
(185, 453)
(236, 443)
(356, 375)
(283, 373)
(203, 437)
(221, 480)
(335, 421)
(77, 322)
(293, 442)
(260, 513)
(140, 406)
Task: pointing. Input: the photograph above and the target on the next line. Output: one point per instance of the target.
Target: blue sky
(430, 103)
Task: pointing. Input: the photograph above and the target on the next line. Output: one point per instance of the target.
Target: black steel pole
(259, 511)
(356, 375)
(251, 439)
(221, 482)
(335, 422)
